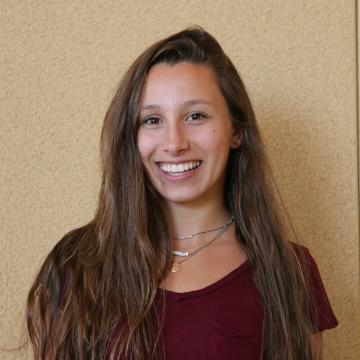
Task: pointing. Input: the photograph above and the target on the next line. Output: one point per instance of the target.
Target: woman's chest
(218, 323)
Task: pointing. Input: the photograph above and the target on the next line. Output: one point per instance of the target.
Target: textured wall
(60, 64)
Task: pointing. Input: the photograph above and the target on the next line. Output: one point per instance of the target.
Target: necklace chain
(188, 255)
(185, 237)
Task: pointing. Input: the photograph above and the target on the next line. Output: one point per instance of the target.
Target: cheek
(217, 140)
(145, 145)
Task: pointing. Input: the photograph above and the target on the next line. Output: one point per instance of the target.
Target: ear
(236, 139)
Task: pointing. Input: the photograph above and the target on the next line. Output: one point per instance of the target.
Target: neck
(184, 219)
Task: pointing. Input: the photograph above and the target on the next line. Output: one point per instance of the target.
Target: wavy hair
(95, 295)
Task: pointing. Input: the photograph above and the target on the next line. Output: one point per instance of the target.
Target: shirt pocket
(232, 343)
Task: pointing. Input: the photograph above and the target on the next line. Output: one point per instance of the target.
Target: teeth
(179, 168)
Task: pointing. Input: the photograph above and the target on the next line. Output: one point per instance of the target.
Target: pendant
(180, 253)
(175, 267)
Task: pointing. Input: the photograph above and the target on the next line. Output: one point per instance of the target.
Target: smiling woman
(185, 146)
(189, 255)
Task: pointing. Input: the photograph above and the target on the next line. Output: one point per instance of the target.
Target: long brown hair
(96, 291)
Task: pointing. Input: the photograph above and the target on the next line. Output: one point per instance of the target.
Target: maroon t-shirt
(224, 320)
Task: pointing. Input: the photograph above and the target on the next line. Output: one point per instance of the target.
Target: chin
(184, 198)
(181, 199)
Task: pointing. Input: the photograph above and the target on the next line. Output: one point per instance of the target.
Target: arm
(318, 344)
(324, 317)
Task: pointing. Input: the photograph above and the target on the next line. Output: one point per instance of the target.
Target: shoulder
(69, 243)
(66, 249)
(55, 270)
(307, 261)
(324, 315)
(309, 267)
(302, 251)
(51, 309)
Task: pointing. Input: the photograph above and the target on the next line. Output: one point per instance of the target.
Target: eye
(151, 120)
(196, 116)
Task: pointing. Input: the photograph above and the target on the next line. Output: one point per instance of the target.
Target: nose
(176, 141)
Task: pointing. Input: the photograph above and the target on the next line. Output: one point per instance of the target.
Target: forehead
(166, 83)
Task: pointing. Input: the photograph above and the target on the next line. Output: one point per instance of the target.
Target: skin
(318, 338)
(184, 117)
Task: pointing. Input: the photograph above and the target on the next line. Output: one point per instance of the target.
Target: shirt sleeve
(324, 316)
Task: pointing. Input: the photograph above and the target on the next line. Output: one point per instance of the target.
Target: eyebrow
(188, 102)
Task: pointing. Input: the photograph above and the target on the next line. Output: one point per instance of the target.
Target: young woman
(189, 255)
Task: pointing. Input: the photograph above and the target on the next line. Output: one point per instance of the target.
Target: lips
(177, 169)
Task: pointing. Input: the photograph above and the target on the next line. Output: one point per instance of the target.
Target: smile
(179, 169)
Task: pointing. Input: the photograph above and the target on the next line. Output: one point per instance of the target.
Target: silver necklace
(187, 255)
(185, 237)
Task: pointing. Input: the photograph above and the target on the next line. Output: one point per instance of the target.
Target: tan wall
(60, 63)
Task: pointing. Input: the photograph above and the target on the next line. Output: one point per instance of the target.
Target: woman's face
(185, 133)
